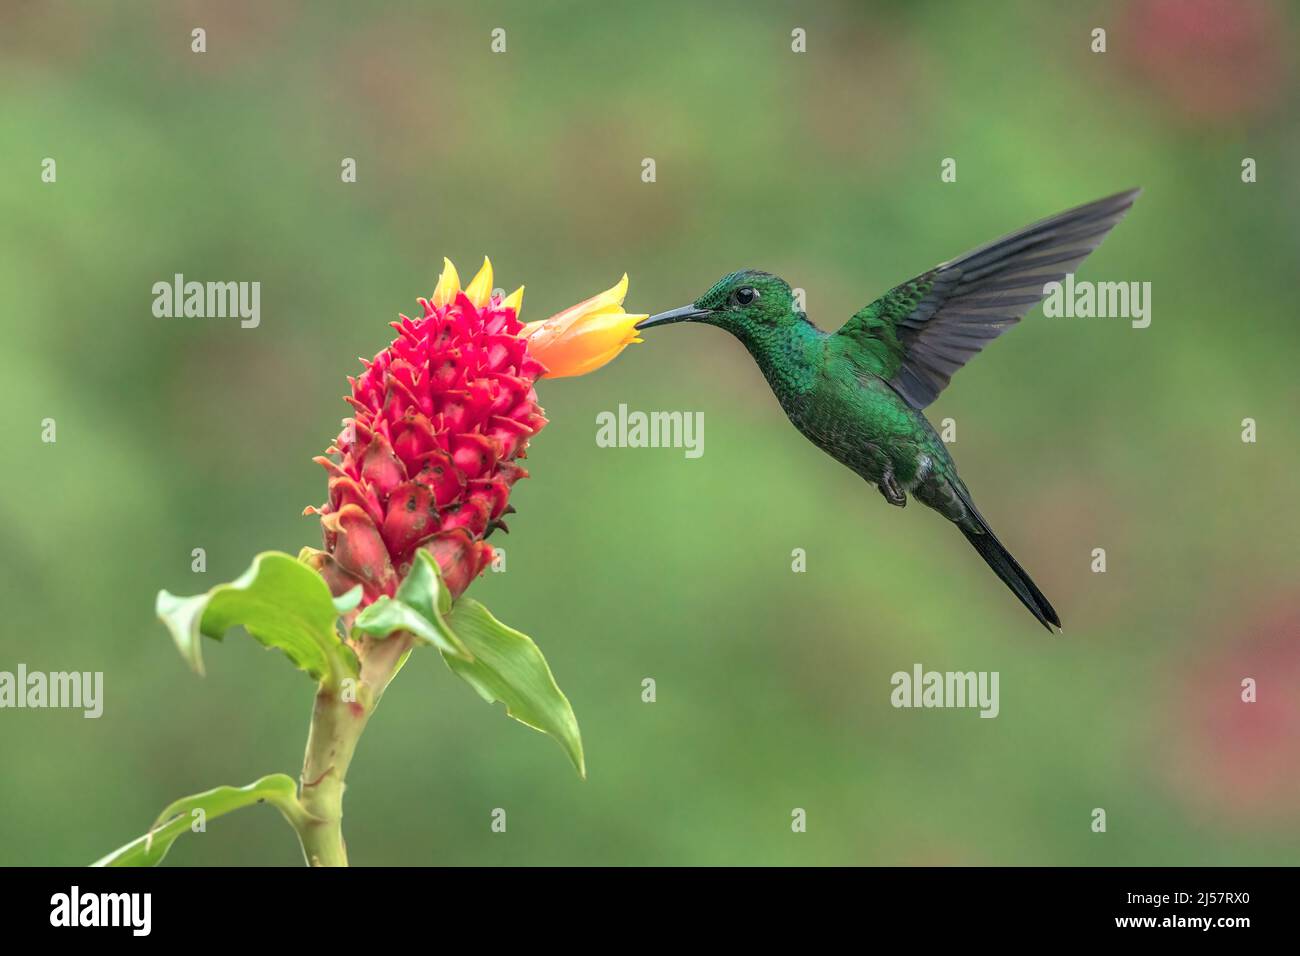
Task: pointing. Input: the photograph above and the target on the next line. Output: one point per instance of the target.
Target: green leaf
(280, 602)
(497, 661)
(507, 666)
(277, 789)
(418, 606)
(348, 600)
(423, 588)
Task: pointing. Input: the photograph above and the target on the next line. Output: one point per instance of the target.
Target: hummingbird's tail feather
(1009, 570)
(947, 495)
(950, 498)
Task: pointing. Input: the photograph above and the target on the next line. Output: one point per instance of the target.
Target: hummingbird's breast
(794, 388)
(859, 422)
(827, 424)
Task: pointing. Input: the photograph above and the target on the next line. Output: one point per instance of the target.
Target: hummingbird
(859, 393)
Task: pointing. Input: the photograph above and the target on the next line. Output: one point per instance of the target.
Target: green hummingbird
(859, 393)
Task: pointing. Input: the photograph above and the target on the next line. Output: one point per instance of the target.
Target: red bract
(428, 461)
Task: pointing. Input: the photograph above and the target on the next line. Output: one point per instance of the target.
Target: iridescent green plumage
(858, 393)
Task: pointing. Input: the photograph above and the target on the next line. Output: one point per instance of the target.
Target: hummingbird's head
(748, 304)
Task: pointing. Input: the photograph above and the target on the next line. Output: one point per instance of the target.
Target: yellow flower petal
(593, 361)
(479, 289)
(585, 336)
(610, 299)
(515, 300)
(448, 284)
(610, 325)
(585, 345)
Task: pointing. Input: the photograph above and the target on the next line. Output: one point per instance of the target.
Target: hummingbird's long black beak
(684, 314)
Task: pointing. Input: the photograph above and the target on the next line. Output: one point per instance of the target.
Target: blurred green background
(772, 686)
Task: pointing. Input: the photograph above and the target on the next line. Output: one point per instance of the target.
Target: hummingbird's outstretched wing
(920, 333)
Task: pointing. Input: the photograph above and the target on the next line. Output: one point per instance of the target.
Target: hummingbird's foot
(892, 490)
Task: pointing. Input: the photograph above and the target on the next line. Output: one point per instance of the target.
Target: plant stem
(338, 718)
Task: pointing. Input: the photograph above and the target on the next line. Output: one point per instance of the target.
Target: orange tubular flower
(585, 336)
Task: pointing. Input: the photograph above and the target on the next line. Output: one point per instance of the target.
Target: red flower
(429, 459)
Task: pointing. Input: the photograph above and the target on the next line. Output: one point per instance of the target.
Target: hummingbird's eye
(745, 296)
